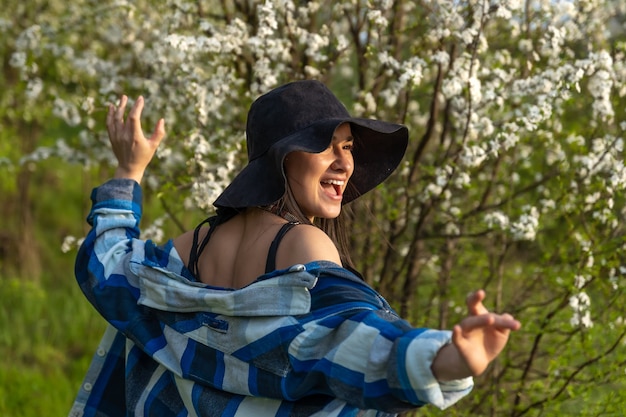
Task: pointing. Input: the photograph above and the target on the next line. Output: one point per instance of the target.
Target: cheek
(302, 167)
(351, 167)
(297, 170)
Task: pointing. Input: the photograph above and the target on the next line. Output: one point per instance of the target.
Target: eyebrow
(347, 139)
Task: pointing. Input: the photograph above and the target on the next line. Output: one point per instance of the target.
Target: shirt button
(101, 352)
(87, 386)
(297, 268)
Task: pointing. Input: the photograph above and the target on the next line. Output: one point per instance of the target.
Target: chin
(323, 211)
(331, 214)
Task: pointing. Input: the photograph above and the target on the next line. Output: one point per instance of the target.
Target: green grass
(47, 338)
(48, 330)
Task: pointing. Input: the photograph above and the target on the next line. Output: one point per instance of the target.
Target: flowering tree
(513, 180)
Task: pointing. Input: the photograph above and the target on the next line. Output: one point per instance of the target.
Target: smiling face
(318, 180)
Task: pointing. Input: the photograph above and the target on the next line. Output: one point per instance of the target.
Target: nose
(344, 161)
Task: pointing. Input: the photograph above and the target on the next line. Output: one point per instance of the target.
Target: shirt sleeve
(112, 250)
(114, 220)
(360, 348)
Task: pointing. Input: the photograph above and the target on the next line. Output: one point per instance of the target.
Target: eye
(348, 145)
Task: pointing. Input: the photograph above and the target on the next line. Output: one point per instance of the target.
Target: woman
(261, 313)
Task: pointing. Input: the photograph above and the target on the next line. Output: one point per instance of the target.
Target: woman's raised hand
(476, 341)
(131, 148)
(482, 335)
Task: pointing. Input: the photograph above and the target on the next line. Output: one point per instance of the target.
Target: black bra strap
(197, 247)
(270, 264)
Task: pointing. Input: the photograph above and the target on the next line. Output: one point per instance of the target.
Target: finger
(134, 117)
(476, 322)
(457, 334)
(110, 120)
(507, 316)
(474, 303)
(506, 321)
(459, 341)
(159, 133)
(121, 108)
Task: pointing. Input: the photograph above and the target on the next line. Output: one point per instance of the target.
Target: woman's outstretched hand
(131, 148)
(476, 341)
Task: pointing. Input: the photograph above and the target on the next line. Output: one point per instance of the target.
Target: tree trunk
(28, 262)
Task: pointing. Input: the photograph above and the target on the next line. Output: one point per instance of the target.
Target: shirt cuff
(419, 358)
(117, 189)
(116, 194)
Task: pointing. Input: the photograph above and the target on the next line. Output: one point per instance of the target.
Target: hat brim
(379, 147)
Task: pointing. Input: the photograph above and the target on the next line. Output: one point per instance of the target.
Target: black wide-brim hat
(302, 116)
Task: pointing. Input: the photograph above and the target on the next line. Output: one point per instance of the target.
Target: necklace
(280, 211)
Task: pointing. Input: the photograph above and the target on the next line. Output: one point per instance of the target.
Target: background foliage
(513, 182)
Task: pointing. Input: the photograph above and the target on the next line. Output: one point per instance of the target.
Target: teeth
(333, 182)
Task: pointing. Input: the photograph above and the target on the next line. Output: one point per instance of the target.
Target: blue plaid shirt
(311, 340)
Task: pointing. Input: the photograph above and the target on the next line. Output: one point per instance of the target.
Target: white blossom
(497, 219)
(600, 86)
(377, 18)
(525, 45)
(580, 281)
(18, 60)
(34, 88)
(370, 103)
(475, 88)
(441, 57)
(473, 156)
(452, 87)
(525, 228)
(581, 304)
(154, 231)
(71, 243)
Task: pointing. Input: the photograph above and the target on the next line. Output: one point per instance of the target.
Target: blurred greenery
(48, 330)
(48, 336)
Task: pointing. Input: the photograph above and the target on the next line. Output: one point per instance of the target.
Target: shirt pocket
(262, 342)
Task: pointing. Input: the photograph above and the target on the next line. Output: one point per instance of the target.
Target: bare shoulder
(184, 242)
(306, 243)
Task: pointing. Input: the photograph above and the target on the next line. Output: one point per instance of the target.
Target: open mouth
(333, 187)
